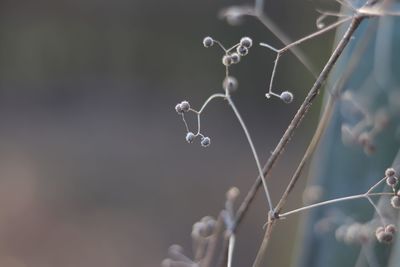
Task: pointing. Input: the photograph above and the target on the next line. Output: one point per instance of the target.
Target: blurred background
(94, 167)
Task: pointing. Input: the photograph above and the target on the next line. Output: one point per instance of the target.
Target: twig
(332, 201)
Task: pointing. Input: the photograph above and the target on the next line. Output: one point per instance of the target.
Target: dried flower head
(185, 106)
(232, 194)
(242, 50)
(286, 97)
(395, 202)
(208, 41)
(178, 108)
(246, 42)
(227, 60)
(391, 228)
(384, 237)
(235, 58)
(390, 172)
(391, 181)
(190, 137)
(205, 141)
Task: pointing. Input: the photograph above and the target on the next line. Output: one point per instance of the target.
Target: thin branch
(310, 36)
(253, 150)
(230, 249)
(333, 201)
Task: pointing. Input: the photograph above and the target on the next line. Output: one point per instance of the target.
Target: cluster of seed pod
(234, 54)
(367, 128)
(182, 108)
(201, 233)
(385, 234)
(392, 180)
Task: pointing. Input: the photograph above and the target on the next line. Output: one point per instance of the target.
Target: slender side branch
(260, 172)
(310, 36)
(332, 201)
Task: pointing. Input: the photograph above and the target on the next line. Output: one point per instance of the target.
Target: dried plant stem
(300, 114)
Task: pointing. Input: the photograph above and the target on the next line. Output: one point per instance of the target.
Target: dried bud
(178, 109)
(391, 228)
(390, 172)
(246, 42)
(391, 181)
(232, 194)
(166, 263)
(185, 106)
(235, 58)
(208, 42)
(242, 50)
(205, 141)
(190, 137)
(286, 97)
(395, 202)
(384, 237)
(227, 60)
(175, 249)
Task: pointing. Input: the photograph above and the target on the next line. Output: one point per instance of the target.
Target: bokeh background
(94, 168)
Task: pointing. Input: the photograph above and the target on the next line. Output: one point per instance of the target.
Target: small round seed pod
(390, 172)
(178, 109)
(208, 225)
(384, 237)
(395, 202)
(242, 50)
(391, 181)
(235, 58)
(391, 228)
(227, 60)
(190, 137)
(232, 194)
(286, 97)
(197, 230)
(205, 141)
(175, 249)
(246, 42)
(166, 263)
(185, 106)
(208, 42)
(230, 84)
